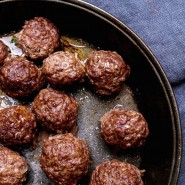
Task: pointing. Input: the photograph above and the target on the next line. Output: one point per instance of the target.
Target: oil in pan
(91, 109)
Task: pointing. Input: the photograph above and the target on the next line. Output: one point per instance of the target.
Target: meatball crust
(106, 71)
(3, 51)
(55, 110)
(38, 38)
(20, 77)
(124, 128)
(63, 68)
(114, 172)
(17, 126)
(65, 159)
(13, 167)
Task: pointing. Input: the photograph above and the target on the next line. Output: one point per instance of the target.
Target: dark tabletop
(161, 25)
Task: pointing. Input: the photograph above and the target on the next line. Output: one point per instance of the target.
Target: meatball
(124, 128)
(106, 71)
(17, 126)
(3, 52)
(55, 110)
(20, 77)
(63, 68)
(115, 172)
(13, 167)
(65, 159)
(38, 38)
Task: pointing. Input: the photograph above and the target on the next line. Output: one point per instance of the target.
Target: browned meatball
(115, 172)
(13, 167)
(124, 128)
(106, 71)
(3, 52)
(63, 68)
(55, 110)
(17, 126)
(20, 77)
(65, 159)
(38, 38)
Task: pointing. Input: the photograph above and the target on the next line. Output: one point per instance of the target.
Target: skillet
(147, 89)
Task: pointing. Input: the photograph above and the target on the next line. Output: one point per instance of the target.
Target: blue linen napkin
(161, 25)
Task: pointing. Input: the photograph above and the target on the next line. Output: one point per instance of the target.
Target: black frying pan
(147, 89)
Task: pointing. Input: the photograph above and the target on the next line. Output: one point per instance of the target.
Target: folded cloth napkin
(161, 25)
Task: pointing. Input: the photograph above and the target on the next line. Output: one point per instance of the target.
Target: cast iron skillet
(150, 88)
